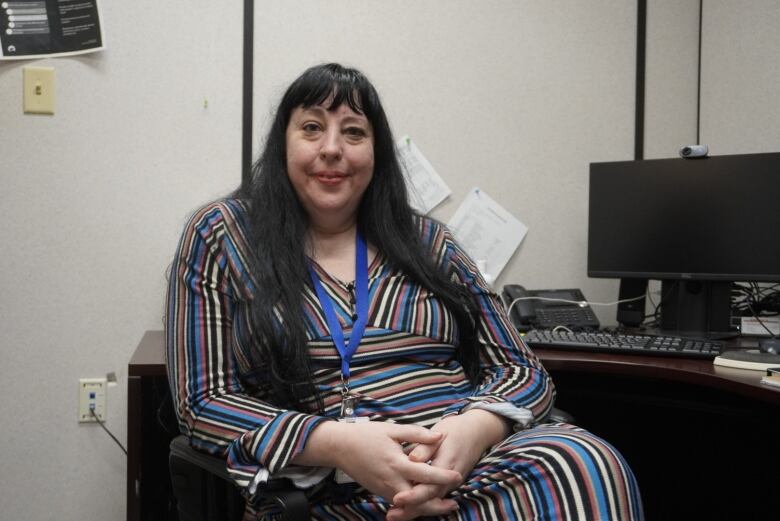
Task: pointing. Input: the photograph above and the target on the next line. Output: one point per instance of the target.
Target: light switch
(38, 90)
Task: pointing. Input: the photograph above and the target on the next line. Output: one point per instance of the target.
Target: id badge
(348, 406)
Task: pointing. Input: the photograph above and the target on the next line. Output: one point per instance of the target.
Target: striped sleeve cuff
(271, 447)
(519, 418)
(461, 405)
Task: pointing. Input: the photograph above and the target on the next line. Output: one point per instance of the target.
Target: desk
(675, 420)
(697, 435)
(696, 372)
(148, 484)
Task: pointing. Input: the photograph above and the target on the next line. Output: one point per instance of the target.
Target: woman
(315, 293)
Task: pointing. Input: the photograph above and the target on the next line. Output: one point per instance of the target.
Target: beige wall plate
(38, 90)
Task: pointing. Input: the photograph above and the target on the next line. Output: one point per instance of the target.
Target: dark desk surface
(684, 370)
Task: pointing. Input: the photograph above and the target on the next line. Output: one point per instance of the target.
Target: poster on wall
(48, 28)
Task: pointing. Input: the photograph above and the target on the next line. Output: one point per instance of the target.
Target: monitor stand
(696, 307)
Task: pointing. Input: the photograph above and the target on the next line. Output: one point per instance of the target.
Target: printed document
(426, 188)
(487, 231)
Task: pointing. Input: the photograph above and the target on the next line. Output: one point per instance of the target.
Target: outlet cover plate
(38, 90)
(92, 395)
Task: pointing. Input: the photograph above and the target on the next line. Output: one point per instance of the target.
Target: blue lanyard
(361, 304)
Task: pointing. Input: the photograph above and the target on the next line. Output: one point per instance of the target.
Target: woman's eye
(311, 127)
(355, 132)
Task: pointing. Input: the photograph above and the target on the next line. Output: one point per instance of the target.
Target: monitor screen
(712, 218)
(698, 225)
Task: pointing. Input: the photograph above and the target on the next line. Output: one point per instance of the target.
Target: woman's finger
(415, 434)
(418, 494)
(423, 452)
(434, 507)
(424, 473)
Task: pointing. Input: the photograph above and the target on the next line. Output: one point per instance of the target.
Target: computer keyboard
(605, 342)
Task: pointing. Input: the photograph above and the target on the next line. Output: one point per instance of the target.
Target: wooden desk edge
(148, 359)
(691, 371)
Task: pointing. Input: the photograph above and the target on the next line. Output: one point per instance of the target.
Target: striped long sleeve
(510, 371)
(206, 282)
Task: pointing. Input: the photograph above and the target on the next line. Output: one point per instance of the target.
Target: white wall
(93, 200)
(740, 76)
(740, 72)
(671, 76)
(517, 97)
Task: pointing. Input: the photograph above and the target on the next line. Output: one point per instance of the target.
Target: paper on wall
(48, 28)
(426, 188)
(488, 232)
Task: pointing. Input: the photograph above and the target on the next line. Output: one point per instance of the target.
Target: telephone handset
(548, 308)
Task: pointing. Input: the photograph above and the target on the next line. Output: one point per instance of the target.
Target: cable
(664, 298)
(753, 299)
(92, 412)
(590, 303)
(755, 315)
(564, 328)
(580, 303)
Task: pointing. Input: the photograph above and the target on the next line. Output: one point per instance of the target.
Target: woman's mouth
(330, 178)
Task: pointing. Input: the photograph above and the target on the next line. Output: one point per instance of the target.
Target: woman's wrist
(322, 447)
(494, 426)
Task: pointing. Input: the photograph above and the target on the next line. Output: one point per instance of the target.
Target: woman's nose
(332, 146)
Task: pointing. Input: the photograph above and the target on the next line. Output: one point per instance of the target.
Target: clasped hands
(415, 481)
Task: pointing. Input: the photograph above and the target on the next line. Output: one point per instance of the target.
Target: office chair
(202, 488)
(204, 491)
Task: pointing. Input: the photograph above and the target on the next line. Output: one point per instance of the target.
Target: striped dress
(404, 369)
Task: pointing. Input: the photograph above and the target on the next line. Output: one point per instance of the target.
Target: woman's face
(330, 160)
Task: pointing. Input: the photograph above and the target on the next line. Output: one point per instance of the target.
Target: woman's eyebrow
(355, 119)
(316, 109)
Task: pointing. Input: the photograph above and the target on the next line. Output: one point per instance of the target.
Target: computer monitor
(698, 225)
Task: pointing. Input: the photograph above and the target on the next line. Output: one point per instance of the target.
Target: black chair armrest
(181, 448)
(205, 492)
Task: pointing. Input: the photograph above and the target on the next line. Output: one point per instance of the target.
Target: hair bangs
(333, 85)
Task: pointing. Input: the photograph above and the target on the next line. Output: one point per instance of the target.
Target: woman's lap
(553, 471)
(550, 472)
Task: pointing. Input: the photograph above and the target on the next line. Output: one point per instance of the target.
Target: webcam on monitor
(691, 151)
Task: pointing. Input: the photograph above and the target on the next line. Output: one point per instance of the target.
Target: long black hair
(278, 224)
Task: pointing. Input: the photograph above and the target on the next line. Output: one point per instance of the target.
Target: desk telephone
(546, 314)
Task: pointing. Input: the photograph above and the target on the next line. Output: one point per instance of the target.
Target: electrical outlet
(92, 395)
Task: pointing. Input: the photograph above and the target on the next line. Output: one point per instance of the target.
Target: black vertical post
(698, 80)
(632, 312)
(246, 126)
(641, 32)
